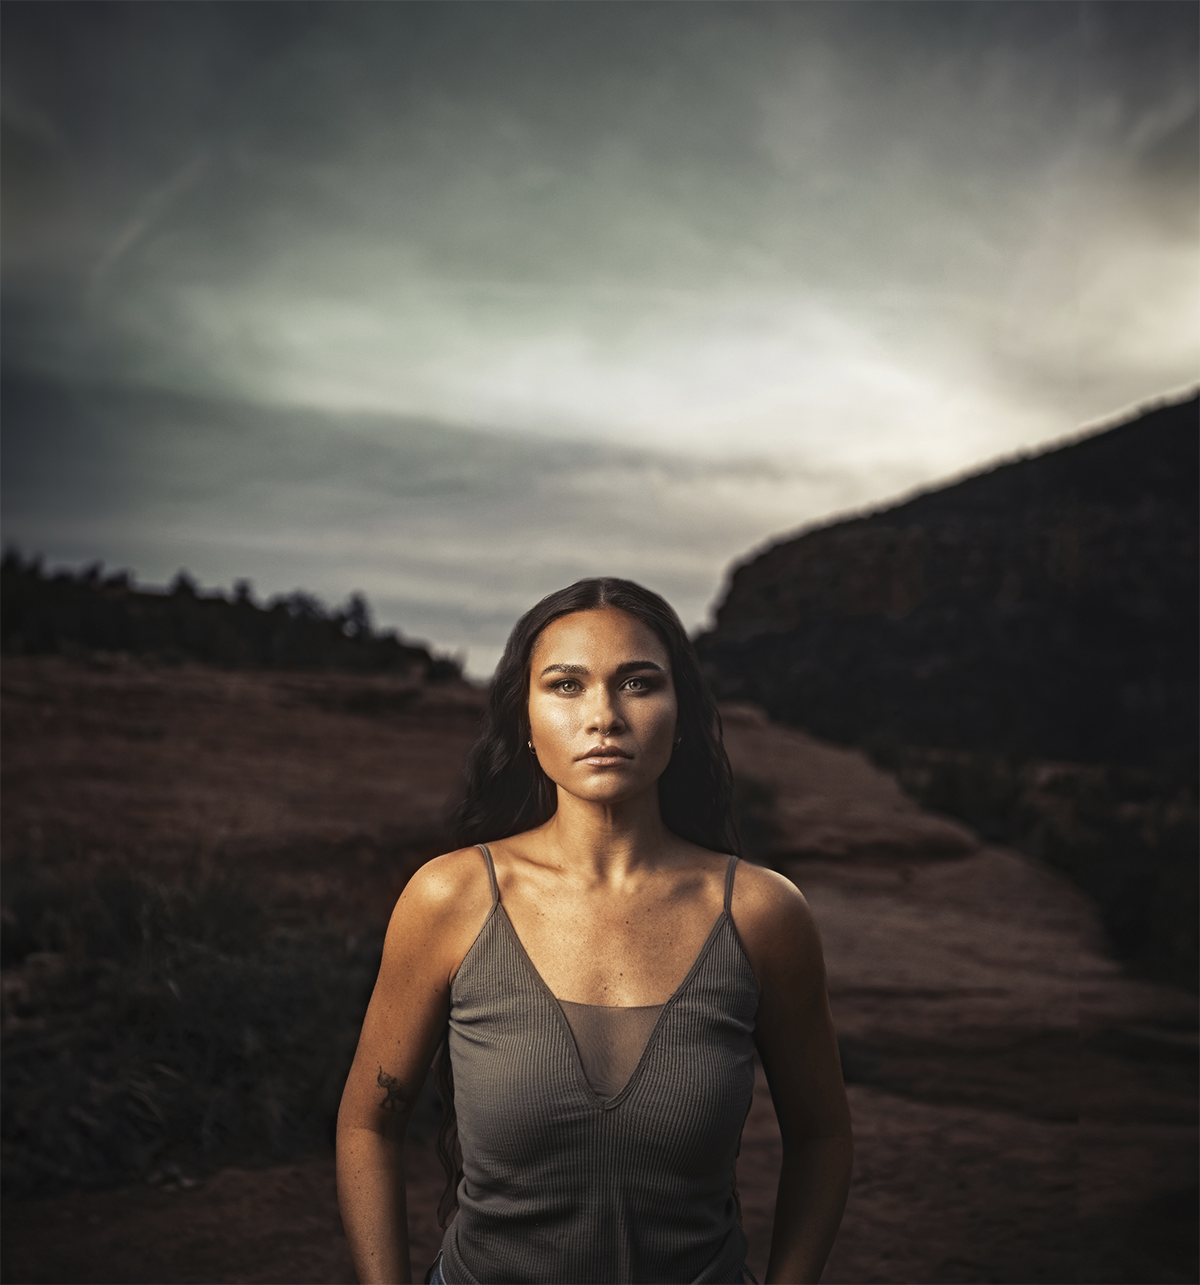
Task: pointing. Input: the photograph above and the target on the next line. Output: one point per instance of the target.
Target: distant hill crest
(1047, 607)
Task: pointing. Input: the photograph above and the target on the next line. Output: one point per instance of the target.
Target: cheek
(658, 724)
(664, 720)
(552, 723)
(670, 730)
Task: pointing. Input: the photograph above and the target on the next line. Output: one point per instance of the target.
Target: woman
(602, 970)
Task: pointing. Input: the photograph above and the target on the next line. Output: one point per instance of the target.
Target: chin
(611, 791)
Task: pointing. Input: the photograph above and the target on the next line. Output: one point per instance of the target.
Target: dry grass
(167, 1027)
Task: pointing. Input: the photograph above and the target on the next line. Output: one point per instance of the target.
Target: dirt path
(1024, 1111)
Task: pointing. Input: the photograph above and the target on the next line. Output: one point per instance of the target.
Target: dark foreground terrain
(197, 869)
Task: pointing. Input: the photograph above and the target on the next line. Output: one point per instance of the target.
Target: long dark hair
(507, 792)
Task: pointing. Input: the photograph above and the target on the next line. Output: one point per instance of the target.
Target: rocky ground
(1024, 1109)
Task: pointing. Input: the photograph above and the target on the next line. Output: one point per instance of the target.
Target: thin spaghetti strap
(491, 869)
(730, 870)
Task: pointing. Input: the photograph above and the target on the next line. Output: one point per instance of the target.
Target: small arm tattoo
(395, 1099)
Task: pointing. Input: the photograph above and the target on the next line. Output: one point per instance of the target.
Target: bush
(150, 1024)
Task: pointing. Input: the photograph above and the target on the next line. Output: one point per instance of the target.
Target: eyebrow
(625, 668)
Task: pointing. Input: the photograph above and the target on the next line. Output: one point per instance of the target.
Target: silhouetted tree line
(62, 613)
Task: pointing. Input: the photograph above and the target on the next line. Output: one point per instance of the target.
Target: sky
(454, 303)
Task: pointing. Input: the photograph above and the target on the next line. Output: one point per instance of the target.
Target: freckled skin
(601, 678)
(612, 908)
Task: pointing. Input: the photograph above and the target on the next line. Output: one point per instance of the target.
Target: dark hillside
(1047, 608)
(1022, 646)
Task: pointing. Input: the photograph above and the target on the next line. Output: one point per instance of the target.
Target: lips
(604, 752)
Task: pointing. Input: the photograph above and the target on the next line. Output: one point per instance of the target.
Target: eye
(568, 686)
(637, 685)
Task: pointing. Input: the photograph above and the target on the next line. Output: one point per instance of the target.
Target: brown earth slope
(1023, 1110)
(332, 784)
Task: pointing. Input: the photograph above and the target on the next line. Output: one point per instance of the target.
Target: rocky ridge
(1020, 647)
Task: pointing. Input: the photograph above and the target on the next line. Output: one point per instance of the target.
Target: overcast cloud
(455, 302)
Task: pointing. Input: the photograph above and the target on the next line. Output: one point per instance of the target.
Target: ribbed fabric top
(563, 1185)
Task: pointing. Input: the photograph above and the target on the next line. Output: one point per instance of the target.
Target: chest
(615, 954)
(510, 1039)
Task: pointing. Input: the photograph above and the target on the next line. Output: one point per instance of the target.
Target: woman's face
(602, 707)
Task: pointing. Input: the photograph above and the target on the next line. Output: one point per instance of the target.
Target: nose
(603, 718)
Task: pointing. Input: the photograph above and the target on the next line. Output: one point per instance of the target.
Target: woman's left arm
(796, 1041)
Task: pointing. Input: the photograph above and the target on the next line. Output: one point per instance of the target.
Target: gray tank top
(563, 1184)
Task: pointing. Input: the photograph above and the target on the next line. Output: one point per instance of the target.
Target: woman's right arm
(432, 927)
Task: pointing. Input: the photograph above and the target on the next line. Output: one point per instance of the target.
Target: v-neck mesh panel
(610, 1041)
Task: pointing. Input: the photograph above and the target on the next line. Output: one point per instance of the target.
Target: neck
(606, 842)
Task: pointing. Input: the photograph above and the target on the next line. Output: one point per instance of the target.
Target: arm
(796, 1041)
(431, 930)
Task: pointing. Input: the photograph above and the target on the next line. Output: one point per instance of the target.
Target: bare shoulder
(440, 885)
(445, 901)
(765, 897)
(773, 920)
